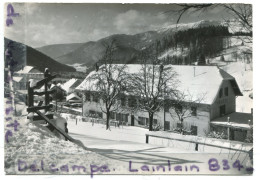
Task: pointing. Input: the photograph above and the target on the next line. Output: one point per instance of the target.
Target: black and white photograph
(128, 88)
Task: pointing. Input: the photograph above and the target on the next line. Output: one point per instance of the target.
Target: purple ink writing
(161, 168)
(7, 134)
(10, 13)
(213, 164)
(15, 124)
(39, 166)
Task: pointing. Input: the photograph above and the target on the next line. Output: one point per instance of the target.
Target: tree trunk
(150, 121)
(182, 126)
(108, 116)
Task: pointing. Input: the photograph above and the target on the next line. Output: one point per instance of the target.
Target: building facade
(22, 77)
(220, 90)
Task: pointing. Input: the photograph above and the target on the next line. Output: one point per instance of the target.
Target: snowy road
(127, 144)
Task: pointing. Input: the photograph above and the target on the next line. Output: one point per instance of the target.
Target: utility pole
(164, 120)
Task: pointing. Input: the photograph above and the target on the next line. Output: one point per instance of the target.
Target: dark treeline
(191, 45)
(195, 44)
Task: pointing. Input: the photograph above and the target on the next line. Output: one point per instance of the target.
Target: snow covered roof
(56, 86)
(69, 84)
(73, 96)
(198, 81)
(26, 69)
(236, 120)
(17, 79)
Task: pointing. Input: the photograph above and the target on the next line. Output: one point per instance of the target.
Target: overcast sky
(44, 24)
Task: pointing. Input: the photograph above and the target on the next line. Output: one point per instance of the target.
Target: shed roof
(236, 120)
(70, 84)
(26, 70)
(17, 79)
(73, 96)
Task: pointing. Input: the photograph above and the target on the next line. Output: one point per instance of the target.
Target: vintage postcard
(130, 89)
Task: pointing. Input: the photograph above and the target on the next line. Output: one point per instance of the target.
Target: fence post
(46, 74)
(147, 139)
(30, 99)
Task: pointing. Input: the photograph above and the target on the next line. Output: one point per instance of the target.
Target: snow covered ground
(33, 149)
(36, 150)
(128, 144)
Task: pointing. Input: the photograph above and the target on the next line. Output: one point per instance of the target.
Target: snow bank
(33, 143)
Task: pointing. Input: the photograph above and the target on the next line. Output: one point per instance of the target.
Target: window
(222, 110)
(118, 116)
(95, 114)
(112, 115)
(123, 101)
(125, 117)
(167, 125)
(194, 130)
(92, 113)
(100, 114)
(220, 93)
(143, 120)
(179, 126)
(87, 96)
(155, 121)
(95, 98)
(121, 117)
(132, 102)
(226, 91)
(194, 111)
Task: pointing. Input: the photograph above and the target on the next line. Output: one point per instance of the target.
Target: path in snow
(128, 144)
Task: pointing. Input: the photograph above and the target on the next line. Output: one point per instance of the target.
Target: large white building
(219, 90)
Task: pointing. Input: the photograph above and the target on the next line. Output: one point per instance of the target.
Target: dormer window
(96, 98)
(194, 111)
(220, 93)
(226, 91)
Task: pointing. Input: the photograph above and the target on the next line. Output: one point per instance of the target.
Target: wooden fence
(47, 106)
(190, 141)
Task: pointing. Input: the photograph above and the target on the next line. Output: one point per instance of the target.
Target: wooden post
(56, 99)
(47, 99)
(196, 147)
(147, 139)
(228, 129)
(30, 95)
(82, 104)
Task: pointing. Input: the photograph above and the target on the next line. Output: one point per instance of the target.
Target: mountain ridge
(91, 52)
(26, 55)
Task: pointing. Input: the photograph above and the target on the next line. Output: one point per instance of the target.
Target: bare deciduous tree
(184, 106)
(109, 82)
(152, 83)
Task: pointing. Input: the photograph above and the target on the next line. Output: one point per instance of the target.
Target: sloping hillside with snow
(35, 144)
